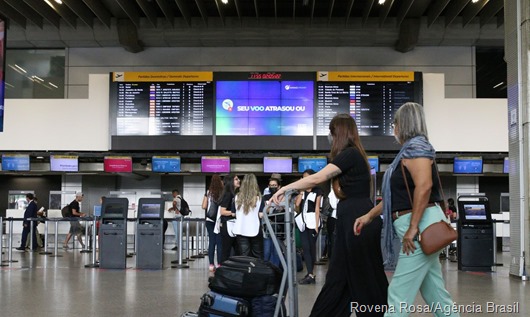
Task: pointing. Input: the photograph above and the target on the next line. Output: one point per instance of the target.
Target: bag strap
(439, 184)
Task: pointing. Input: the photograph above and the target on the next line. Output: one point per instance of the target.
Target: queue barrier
(189, 247)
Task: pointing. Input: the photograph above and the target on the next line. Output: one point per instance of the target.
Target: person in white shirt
(247, 228)
(175, 209)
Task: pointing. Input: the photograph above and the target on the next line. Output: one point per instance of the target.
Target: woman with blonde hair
(247, 228)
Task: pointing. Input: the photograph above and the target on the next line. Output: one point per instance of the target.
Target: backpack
(184, 207)
(325, 209)
(213, 207)
(65, 211)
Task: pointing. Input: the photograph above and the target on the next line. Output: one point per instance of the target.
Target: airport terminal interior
(117, 103)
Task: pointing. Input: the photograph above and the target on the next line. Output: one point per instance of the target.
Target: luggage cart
(287, 258)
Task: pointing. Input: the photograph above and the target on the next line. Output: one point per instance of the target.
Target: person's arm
(227, 203)
(420, 170)
(76, 212)
(204, 202)
(317, 212)
(327, 173)
(367, 218)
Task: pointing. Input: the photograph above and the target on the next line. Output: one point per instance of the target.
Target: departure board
(161, 103)
(264, 103)
(371, 98)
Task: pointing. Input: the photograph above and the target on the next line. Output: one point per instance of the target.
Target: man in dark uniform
(31, 212)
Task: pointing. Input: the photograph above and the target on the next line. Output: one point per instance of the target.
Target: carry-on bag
(264, 306)
(244, 276)
(214, 304)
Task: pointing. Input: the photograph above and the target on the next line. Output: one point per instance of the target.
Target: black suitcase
(264, 306)
(244, 276)
(214, 304)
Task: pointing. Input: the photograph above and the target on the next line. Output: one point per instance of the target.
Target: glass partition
(59, 199)
(16, 199)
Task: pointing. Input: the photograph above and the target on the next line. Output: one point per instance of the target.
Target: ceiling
(137, 24)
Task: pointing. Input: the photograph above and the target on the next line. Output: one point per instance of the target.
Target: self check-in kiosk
(149, 231)
(113, 233)
(475, 234)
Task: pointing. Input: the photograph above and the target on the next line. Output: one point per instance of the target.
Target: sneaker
(65, 246)
(20, 249)
(308, 279)
(175, 248)
(211, 268)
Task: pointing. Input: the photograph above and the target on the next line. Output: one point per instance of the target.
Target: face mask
(273, 190)
(330, 139)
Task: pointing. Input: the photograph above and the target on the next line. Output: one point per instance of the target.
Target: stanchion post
(56, 234)
(45, 238)
(204, 250)
(319, 249)
(188, 257)
(85, 246)
(10, 246)
(197, 244)
(31, 233)
(181, 261)
(2, 241)
(94, 263)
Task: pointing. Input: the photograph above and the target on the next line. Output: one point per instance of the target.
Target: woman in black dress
(356, 279)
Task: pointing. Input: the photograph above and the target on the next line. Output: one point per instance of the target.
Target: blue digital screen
(315, 163)
(506, 165)
(15, 162)
(374, 162)
(279, 107)
(97, 210)
(165, 164)
(467, 165)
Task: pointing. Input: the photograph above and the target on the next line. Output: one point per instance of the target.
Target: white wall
(455, 125)
(456, 62)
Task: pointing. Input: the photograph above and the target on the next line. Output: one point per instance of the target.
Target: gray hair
(410, 120)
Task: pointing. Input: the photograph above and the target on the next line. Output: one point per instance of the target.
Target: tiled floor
(41, 285)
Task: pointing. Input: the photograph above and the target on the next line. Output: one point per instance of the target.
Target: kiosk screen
(114, 211)
(475, 211)
(150, 211)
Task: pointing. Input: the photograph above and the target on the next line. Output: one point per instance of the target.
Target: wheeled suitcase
(214, 304)
(264, 306)
(244, 276)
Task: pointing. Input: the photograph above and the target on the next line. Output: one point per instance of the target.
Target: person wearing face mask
(269, 252)
(231, 185)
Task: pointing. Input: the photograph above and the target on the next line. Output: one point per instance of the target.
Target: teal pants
(419, 272)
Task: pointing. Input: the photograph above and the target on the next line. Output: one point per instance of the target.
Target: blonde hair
(249, 193)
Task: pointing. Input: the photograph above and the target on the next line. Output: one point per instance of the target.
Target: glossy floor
(41, 285)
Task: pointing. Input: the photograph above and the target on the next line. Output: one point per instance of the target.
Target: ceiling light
(224, 1)
(40, 157)
(59, 1)
(474, 1)
(381, 1)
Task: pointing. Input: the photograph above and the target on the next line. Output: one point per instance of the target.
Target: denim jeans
(214, 240)
(269, 252)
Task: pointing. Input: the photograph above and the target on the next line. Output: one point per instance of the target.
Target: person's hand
(408, 240)
(360, 223)
(277, 197)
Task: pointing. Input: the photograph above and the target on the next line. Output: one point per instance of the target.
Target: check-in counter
(502, 224)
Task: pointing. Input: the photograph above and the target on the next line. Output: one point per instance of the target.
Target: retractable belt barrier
(197, 249)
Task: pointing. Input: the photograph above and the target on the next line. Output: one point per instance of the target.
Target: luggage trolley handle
(288, 262)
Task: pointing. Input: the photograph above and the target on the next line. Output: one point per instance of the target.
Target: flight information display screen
(264, 103)
(161, 103)
(371, 98)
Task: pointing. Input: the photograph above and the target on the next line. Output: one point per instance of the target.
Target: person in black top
(308, 203)
(30, 212)
(75, 226)
(228, 215)
(355, 274)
